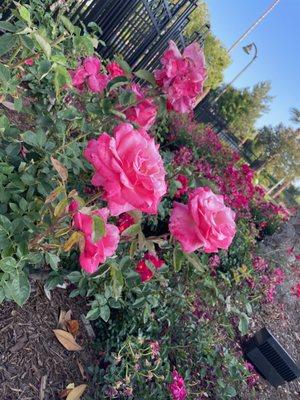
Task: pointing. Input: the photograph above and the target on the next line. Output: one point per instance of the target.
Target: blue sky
(278, 42)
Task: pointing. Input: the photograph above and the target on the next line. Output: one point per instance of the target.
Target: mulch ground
(33, 364)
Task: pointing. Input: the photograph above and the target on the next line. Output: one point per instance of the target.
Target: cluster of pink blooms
(205, 222)
(182, 76)
(259, 264)
(177, 387)
(183, 156)
(184, 180)
(296, 290)
(89, 74)
(146, 274)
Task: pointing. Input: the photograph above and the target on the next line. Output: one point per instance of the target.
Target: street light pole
(253, 26)
(247, 49)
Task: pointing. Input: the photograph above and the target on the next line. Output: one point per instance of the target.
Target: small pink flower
(125, 221)
(97, 83)
(114, 70)
(92, 65)
(205, 222)
(78, 77)
(184, 185)
(23, 151)
(144, 113)
(73, 206)
(29, 61)
(177, 387)
(144, 271)
(96, 253)
(89, 73)
(130, 169)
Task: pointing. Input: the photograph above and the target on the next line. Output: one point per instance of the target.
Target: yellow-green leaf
(99, 229)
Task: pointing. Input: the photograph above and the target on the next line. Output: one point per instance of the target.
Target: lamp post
(247, 49)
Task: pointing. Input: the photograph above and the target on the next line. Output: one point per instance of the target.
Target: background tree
(295, 115)
(241, 108)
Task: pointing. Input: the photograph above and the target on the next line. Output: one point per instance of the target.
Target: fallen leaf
(71, 386)
(68, 315)
(81, 369)
(64, 393)
(67, 340)
(43, 387)
(73, 326)
(60, 169)
(77, 392)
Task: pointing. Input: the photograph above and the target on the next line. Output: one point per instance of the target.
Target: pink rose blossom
(96, 253)
(89, 73)
(182, 76)
(125, 221)
(130, 169)
(296, 290)
(144, 113)
(73, 206)
(114, 70)
(205, 222)
(184, 185)
(177, 387)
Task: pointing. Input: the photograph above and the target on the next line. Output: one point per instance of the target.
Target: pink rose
(182, 76)
(144, 113)
(204, 222)
(144, 271)
(130, 169)
(89, 73)
(95, 253)
(29, 61)
(114, 70)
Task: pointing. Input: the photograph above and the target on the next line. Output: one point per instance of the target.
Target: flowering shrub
(89, 175)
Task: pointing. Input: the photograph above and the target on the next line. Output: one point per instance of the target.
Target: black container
(270, 359)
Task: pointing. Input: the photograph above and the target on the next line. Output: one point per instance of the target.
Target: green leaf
(99, 229)
(75, 276)
(4, 73)
(67, 23)
(9, 265)
(5, 224)
(117, 82)
(61, 78)
(7, 43)
(117, 281)
(37, 139)
(43, 43)
(25, 14)
(20, 288)
(124, 65)
(27, 42)
(194, 260)
(18, 104)
(146, 76)
(105, 313)
(44, 67)
(178, 257)
(244, 323)
(2, 295)
(93, 314)
(7, 26)
(132, 230)
(53, 260)
(230, 391)
(127, 98)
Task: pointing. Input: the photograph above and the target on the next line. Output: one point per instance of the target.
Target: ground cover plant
(107, 184)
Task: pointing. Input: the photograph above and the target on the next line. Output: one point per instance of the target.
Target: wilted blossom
(89, 73)
(129, 168)
(205, 222)
(254, 377)
(182, 76)
(184, 180)
(114, 70)
(259, 264)
(278, 276)
(125, 221)
(270, 293)
(144, 271)
(95, 253)
(177, 387)
(155, 348)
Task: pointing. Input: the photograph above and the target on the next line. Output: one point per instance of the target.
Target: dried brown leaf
(60, 169)
(73, 239)
(77, 392)
(67, 340)
(81, 369)
(73, 326)
(64, 393)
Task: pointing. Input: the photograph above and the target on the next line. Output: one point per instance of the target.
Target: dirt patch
(30, 353)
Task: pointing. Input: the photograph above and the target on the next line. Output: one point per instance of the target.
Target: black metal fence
(139, 30)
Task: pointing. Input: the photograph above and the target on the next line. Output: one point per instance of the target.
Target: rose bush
(90, 169)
